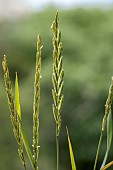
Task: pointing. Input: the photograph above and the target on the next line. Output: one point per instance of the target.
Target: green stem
(57, 150)
(98, 149)
(25, 167)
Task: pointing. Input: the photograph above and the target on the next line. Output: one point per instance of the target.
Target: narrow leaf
(26, 144)
(73, 165)
(109, 138)
(17, 97)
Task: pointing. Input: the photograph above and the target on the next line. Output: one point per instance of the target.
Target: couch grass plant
(14, 107)
(57, 81)
(58, 97)
(15, 111)
(36, 104)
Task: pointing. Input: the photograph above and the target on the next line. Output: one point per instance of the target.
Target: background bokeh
(87, 36)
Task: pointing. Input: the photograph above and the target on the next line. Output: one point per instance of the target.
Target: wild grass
(57, 81)
(58, 97)
(15, 111)
(36, 104)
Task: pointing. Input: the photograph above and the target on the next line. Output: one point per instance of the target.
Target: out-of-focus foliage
(87, 37)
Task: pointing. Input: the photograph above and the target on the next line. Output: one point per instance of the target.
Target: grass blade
(18, 111)
(17, 97)
(26, 144)
(109, 138)
(73, 165)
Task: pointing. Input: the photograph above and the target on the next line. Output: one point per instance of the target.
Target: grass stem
(98, 149)
(57, 150)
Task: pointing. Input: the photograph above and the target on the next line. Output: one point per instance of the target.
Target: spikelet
(58, 74)
(13, 112)
(108, 105)
(36, 104)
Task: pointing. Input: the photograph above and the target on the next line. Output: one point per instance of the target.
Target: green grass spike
(36, 104)
(57, 81)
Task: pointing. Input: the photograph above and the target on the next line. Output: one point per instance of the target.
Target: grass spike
(108, 105)
(109, 138)
(57, 81)
(13, 109)
(13, 114)
(36, 104)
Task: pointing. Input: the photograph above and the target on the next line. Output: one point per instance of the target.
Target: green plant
(15, 110)
(57, 80)
(58, 83)
(107, 119)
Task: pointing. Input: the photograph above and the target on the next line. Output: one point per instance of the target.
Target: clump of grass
(58, 97)
(57, 81)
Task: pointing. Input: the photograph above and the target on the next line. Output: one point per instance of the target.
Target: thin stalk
(57, 150)
(98, 149)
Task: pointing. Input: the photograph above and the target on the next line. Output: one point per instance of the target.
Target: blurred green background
(87, 36)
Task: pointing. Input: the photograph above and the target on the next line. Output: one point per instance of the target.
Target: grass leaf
(17, 97)
(26, 144)
(73, 165)
(109, 137)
